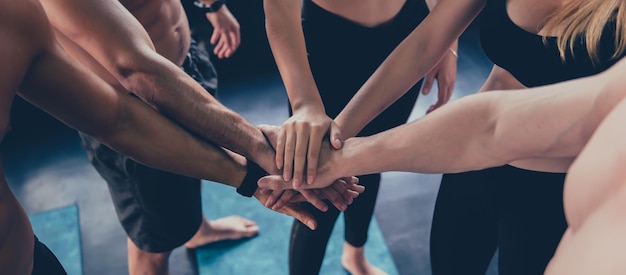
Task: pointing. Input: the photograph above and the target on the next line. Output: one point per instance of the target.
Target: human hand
(327, 173)
(226, 33)
(445, 73)
(292, 209)
(298, 143)
(340, 194)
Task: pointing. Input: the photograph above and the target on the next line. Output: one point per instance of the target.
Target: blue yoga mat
(267, 253)
(60, 231)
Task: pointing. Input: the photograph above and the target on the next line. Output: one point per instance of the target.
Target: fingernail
(296, 182)
(309, 179)
(310, 224)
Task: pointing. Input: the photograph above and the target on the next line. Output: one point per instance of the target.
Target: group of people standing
(534, 158)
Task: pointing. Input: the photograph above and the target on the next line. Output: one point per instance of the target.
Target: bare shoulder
(25, 23)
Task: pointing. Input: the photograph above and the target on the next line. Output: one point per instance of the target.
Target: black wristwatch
(209, 8)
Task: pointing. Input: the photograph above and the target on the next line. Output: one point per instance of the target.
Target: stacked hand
(328, 172)
(298, 143)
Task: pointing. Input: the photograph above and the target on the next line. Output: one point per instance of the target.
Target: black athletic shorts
(44, 261)
(158, 210)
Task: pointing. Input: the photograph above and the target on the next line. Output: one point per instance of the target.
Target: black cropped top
(529, 59)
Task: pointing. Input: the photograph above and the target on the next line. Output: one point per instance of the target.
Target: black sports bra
(529, 59)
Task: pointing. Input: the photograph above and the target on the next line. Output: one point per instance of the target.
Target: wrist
(264, 155)
(209, 6)
(309, 107)
(249, 185)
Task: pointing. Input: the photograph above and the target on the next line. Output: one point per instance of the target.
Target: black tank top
(533, 62)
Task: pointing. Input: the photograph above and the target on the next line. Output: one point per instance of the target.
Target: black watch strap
(249, 184)
(209, 8)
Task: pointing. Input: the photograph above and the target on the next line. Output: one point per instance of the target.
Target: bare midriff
(166, 23)
(369, 13)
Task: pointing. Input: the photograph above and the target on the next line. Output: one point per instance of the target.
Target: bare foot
(227, 228)
(353, 261)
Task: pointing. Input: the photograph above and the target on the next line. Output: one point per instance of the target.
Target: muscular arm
(87, 103)
(485, 130)
(490, 129)
(112, 36)
(426, 44)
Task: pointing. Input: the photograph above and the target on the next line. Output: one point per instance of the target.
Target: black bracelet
(209, 8)
(249, 184)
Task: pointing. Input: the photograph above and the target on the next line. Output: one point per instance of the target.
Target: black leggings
(342, 56)
(307, 247)
(520, 212)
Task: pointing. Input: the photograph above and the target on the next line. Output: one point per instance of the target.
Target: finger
(428, 84)
(290, 149)
(270, 132)
(334, 194)
(356, 188)
(218, 48)
(300, 214)
(450, 90)
(273, 197)
(236, 38)
(274, 182)
(300, 153)
(336, 138)
(284, 199)
(215, 37)
(341, 188)
(312, 197)
(280, 148)
(313, 154)
(228, 45)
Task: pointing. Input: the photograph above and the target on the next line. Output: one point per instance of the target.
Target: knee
(138, 255)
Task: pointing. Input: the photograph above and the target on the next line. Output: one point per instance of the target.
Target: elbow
(110, 127)
(136, 72)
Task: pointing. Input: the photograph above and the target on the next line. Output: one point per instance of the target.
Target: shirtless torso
(166, 23)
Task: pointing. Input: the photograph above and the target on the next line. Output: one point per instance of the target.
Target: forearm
(490, 129)
(88, 104)
(118, 42)
(182, 99)
(408, 63)
(452, 139)
(286, 37)
(149, 138)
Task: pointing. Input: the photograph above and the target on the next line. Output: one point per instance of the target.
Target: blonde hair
(587, 19)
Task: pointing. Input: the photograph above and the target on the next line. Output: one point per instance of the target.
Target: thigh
(531, 218)
(158, 210)
(463, 236)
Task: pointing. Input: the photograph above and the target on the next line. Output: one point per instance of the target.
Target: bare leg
(141, 262)
(353, 260)
(227, 228)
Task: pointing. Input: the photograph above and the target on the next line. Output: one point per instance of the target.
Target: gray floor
(47, 169)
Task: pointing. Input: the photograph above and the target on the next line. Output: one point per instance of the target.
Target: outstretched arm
(118, 42)
(484, 130)
(300, 137)
(409, 62)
